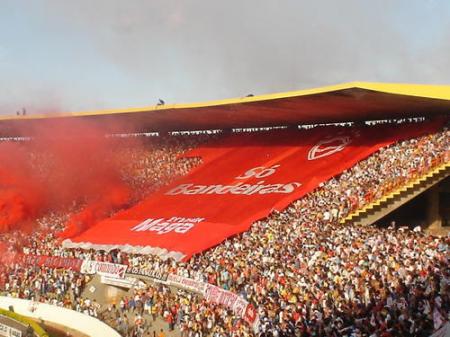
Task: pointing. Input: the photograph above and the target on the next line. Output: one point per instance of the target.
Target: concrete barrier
(65, 317)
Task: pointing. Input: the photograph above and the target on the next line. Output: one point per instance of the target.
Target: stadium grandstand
(321, 212)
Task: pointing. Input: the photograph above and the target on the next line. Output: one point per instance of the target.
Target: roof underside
(340, 103)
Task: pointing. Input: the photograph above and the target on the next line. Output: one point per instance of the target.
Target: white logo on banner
(164, 226)
(326, 147)
(259, 172)
(241, 187)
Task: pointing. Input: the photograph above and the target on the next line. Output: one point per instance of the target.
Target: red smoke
(65, 163)
(21, 195)
(114, 197)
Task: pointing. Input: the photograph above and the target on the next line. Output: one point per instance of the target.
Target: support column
(434, 220)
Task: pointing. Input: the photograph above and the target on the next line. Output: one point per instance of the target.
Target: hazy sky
(66, 55)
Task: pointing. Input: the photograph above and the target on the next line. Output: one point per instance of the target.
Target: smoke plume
(66, 165)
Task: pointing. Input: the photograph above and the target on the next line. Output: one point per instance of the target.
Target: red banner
(242, 179)
(237, 304)
(55, 262)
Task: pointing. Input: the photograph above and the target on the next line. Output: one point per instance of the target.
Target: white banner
(7, 331)
(153, 274)
(103, 268)
(128, 282)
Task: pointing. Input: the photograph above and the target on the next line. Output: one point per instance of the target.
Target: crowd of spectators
(157, 161)
(306, 274)
(191, 314)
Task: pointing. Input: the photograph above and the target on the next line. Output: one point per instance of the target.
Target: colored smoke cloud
(65, 163)
(21, 194)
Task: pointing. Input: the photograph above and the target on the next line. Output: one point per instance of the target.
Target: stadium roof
(355, 101)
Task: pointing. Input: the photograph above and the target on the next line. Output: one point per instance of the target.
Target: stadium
(321, 212)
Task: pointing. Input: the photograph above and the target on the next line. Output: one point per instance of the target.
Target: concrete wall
(65, 317)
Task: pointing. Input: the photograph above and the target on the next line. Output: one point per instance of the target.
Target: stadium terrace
(319, 212)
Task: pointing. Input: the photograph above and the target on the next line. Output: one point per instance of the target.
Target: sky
(64, 55)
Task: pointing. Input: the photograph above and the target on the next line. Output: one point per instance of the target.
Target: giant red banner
(242, 179)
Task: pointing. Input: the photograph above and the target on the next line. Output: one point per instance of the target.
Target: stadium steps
(376, 210)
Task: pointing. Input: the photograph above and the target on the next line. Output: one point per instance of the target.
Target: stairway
(376, 210)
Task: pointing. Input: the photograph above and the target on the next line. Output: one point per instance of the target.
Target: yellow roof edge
(420, 90)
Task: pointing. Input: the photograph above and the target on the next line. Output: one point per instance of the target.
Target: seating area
(304, 272)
